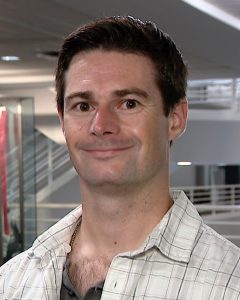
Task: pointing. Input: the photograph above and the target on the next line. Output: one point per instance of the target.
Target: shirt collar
(59, 235)
(176, 234)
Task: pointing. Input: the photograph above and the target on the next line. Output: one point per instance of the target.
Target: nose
(104, 122)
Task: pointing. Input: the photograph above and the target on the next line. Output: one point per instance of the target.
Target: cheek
(73, 133)
(73, 127)
(156, 136)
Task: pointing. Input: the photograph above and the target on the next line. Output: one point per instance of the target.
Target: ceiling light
(184, 163)
(10, 58)
(215, 11)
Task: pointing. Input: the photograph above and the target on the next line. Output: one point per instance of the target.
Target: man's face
(113, 119)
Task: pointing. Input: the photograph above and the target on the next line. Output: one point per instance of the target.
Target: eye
(131, 104)
(84, 106)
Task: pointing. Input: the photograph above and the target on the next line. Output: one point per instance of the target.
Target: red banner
(3, 168)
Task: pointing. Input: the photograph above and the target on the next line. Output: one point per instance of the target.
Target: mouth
(106, 153)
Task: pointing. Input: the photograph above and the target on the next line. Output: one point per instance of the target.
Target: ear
(178, 119)
(61, 119)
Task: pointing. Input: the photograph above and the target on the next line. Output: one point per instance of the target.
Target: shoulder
(217, 262)
(218, 258)
(12, 273)
(205, 240)
(12, 263)
(29, 276)
(30, 273)
(213, 241)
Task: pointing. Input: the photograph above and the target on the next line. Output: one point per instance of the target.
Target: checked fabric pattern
(181, 259)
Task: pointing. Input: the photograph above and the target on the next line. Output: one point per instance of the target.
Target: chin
(100, 174)
(103, 181)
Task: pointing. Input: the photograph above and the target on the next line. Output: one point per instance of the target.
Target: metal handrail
(217, 89)
(218, 93)
(209, 193)
(50, 159)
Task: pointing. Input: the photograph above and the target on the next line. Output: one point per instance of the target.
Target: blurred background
(38, 183)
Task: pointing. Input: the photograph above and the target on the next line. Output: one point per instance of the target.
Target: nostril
(101, 133)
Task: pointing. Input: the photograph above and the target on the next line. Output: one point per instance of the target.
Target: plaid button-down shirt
(181, 259)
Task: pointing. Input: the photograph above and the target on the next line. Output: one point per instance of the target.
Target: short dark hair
(129, 35)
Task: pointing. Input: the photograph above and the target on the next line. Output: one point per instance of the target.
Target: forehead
(110, 67)
(96, 56)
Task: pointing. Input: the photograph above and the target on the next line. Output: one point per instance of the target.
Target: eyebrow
(87, 95)
(83, 95)
(136, 91)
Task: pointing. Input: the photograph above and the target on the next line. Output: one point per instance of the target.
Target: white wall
(209, 142)
(183, 176)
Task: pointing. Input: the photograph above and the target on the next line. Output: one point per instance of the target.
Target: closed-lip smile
(106, 152)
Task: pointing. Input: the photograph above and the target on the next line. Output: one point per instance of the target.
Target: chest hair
(87, 272)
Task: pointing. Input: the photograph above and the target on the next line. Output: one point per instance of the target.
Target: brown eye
(84, 106)
(130, 104)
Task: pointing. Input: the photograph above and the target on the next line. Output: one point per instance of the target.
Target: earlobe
(178, 119)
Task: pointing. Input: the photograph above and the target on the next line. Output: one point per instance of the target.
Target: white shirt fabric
(181, 259)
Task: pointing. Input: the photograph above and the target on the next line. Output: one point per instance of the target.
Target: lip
(106, 153)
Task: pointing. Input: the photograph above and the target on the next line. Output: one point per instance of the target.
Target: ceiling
(30, 28)
(231, 7)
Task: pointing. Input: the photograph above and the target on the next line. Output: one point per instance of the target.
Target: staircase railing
(210, 195)
(53, 167)
(214, 93)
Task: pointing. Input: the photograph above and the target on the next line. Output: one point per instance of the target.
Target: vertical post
(233, 196)
(237, 93)
(214, 191)
(21, 175)
(1, 230)
(234, 95)
(191, 195)
(50, 163)
(5, 228)
(3, 163)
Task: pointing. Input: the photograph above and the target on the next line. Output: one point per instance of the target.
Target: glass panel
(11, 237)
(29, 178)
(17, 174)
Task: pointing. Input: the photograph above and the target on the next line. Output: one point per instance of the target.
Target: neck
(120, 222)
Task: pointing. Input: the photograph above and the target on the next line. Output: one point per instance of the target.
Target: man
(121, 97)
